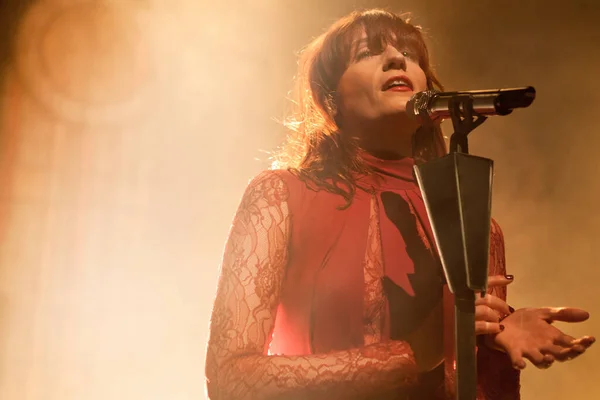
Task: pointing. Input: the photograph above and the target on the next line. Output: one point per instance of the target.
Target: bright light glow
(117, 118)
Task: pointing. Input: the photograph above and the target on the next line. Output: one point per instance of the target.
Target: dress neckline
(401, 169)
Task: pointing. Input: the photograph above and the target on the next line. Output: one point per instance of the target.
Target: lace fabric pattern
(253, 269)
(374, 299)
(252, 277)
(250, 282)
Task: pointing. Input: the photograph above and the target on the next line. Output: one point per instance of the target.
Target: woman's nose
(395, 59)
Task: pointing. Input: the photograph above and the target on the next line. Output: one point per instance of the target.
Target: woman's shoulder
(275, 178)
(275, 183)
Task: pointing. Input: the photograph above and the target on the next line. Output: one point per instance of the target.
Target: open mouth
(398, 84)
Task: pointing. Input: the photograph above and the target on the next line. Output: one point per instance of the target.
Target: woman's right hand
(490, 309)
(529, 334)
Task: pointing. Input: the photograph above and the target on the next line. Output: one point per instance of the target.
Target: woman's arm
(248, 294)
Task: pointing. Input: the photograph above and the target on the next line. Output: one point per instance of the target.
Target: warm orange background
(129, 130)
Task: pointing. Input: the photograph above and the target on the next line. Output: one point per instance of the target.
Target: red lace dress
(322, 290)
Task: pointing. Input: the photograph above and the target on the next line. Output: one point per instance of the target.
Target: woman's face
(378, 85)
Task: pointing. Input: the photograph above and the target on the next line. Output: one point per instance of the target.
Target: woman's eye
(363, 54)
(409, 54)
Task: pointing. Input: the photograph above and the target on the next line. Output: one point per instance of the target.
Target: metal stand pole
(457, 194)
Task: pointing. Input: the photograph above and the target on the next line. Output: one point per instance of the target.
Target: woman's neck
(388, 141)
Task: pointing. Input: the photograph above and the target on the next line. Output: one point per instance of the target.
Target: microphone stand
(463, 122)
(457, 193)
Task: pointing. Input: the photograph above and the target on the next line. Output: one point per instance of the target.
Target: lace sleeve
(497, 378)
(497, 264)
(248, 293)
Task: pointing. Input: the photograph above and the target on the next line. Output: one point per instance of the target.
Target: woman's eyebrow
(358, 42)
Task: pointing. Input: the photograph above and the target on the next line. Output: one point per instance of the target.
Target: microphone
(432, 106)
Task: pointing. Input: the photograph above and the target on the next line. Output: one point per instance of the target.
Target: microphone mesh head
(418, 106)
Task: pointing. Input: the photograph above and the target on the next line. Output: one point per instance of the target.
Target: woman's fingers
(568, 341)
(487, 328)
(559, 352)
(547, 361)
(564, 340)
(569, 347)
(538, 359)
(499, 280)
(585, 341)
(567, 314)
(563, 353)
(493, 302)
(570, 353)
(577, 348)
(485, 313)
(516, 358)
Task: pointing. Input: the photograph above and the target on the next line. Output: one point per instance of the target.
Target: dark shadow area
(11, 12)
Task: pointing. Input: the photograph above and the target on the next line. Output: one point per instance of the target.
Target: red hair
(316, 150)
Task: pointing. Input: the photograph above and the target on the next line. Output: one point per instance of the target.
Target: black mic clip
(464, 120)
